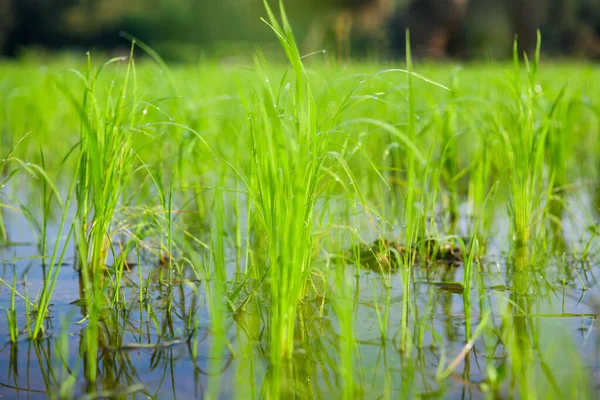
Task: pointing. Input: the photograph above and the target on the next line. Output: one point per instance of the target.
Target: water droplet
(267, 80)
(538, 89)
(145, 111)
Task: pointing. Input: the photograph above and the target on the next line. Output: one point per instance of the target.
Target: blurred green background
(184, 30)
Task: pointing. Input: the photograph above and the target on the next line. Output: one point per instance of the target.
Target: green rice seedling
(9, 171)
(479, 192)
(556, 153)
(467, 283)
(165, 222)
(29, 306)
(286, 168)
(11, 312)
(524, 151)
(106, 156)
(475, 252)
(44, 298)
(56, 259)
(3, 234)
(412, 220)
(46, 201)
(449, 165)
(104, 162)
(588, 247)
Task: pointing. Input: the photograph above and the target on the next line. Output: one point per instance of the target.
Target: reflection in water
(150, 351)
(167, 344)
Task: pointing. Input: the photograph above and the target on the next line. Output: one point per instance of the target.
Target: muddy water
(151, 350)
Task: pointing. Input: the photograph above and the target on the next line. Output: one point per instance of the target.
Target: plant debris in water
(384, 255)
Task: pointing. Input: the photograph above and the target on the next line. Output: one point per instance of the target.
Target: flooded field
(312, 231)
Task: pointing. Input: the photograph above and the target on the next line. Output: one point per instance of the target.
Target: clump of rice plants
(286, 169)
(523, 150)
(106, 155)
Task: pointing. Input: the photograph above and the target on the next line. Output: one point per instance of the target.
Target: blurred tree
(574, 27)
(346, 19)
(6, 18)
(526, 16)
(33, 21)
(436, 28)
(567, 26)
(439, 28)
